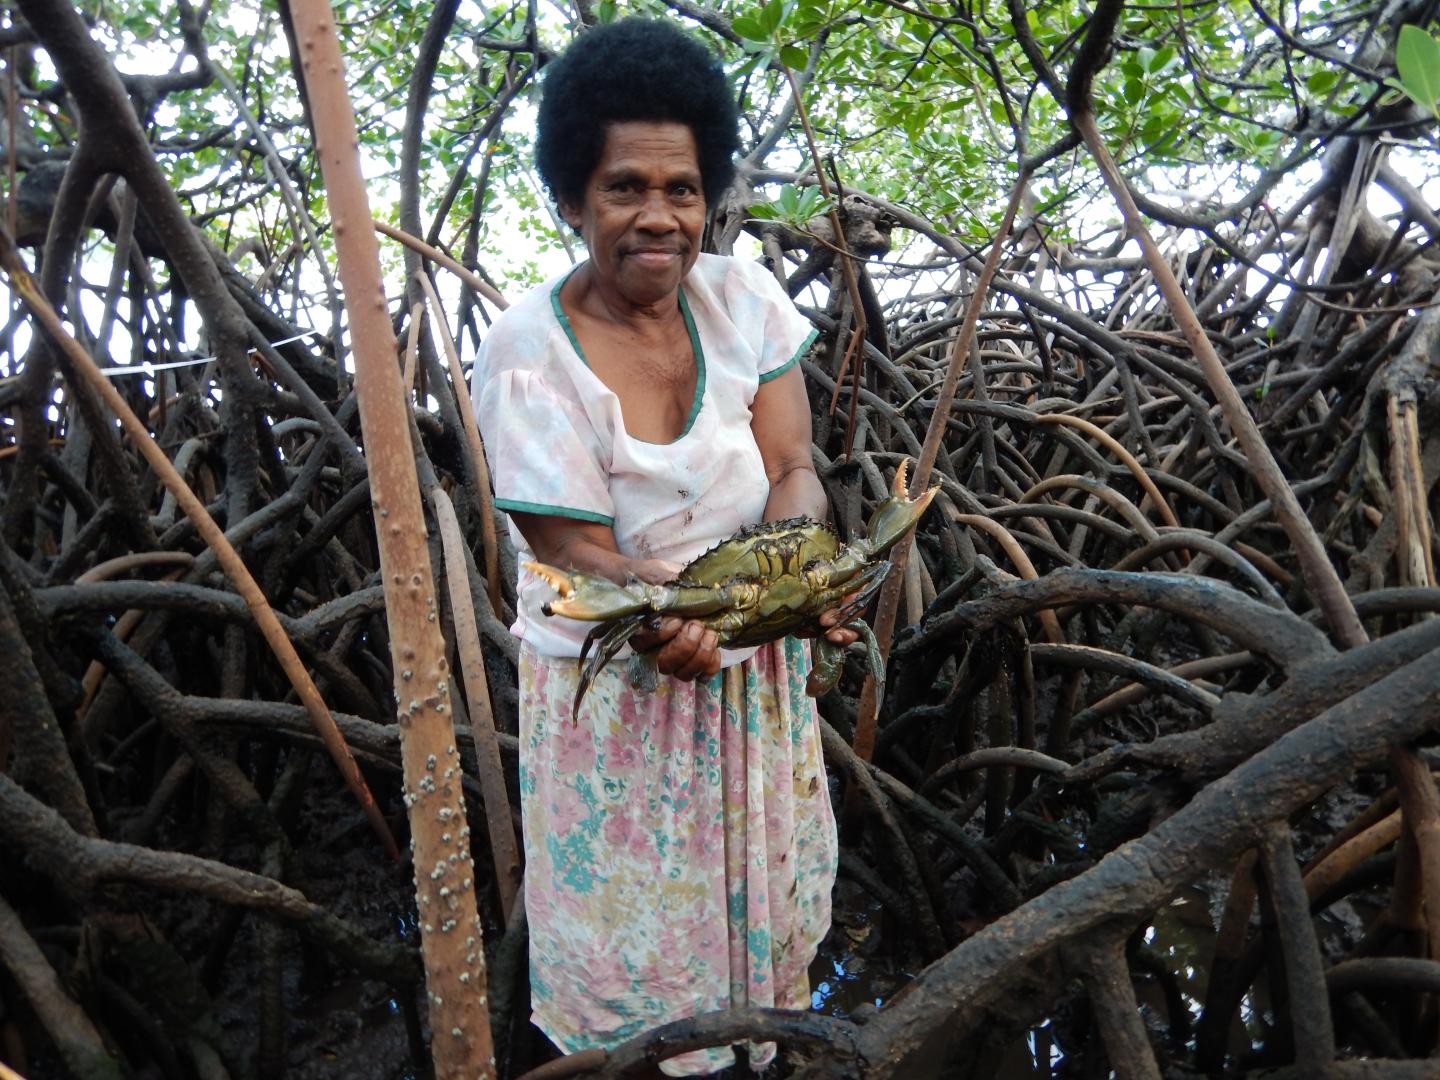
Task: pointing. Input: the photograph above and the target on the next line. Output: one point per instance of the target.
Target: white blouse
(557, 445)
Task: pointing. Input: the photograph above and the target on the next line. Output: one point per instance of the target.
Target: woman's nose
(656, 214)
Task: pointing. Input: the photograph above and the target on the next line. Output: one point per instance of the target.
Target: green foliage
(934, 113)
(1417, 60)
(794, 206)
(761, 25)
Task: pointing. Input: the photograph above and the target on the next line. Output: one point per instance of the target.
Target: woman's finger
(678, 651)
(705, 661)
(836, 615)
(694, 652)
(665, 630)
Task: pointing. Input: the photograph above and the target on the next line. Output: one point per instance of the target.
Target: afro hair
(634, 69)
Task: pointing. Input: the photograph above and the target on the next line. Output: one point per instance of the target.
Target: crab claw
(588, 596)
(898, 514)
(558, 580)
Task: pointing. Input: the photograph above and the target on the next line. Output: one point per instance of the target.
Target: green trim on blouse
(699, 365)
(565, 319)
(516, 506)
(788, 364)
(699, 398)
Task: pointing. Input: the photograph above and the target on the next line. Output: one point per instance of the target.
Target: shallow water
(851, 971)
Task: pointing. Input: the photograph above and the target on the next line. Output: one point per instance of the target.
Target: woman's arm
(687, 649)
(588, 546)
(780, 420)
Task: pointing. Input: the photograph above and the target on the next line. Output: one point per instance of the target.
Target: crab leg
(608, 639)
(855, 591)
(829, 658)
(827, 664)
(695, 601)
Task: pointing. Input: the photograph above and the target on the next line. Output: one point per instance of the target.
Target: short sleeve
(544, 456)
(786, 334)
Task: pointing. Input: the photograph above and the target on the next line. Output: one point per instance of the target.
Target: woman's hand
(687, 649)
(655, 571)
(834, 632)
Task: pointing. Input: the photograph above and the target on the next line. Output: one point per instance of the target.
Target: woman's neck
(603, 302)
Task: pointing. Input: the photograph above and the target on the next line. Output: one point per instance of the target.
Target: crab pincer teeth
(558, 580)
(924, 500)
(901, 487)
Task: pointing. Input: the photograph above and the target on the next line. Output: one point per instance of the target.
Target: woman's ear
(570, 212)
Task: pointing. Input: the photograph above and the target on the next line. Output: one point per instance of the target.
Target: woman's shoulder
(526, 340)
(527, 324)
(743, 293)
(726, 274)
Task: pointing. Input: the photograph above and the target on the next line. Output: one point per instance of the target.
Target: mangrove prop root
(1184, 547)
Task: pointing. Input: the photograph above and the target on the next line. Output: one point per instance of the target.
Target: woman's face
(643, 210)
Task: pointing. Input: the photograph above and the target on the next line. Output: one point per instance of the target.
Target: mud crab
(765, 582)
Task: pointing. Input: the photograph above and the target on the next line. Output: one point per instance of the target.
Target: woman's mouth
(654, 257)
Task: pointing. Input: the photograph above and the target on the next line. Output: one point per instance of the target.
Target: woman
(680, 844)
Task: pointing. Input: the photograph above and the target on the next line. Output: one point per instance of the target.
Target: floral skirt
(680, 848)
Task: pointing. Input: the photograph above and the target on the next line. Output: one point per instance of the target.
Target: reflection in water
(1182, 936)
(1035, 1054)
(852, 971)
(855, 966)
(844, 987)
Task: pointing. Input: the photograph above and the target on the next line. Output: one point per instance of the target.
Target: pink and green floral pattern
(680, 847)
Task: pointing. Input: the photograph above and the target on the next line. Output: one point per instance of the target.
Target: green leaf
(793, 206)
(810, 202)
(794, 56)
(1155, 127)
(758, 55)
(772, 15)
(913, 121)
(805, 24)
(1322, 82)
(748, 26)
(1134, 90)
(1417, 59)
